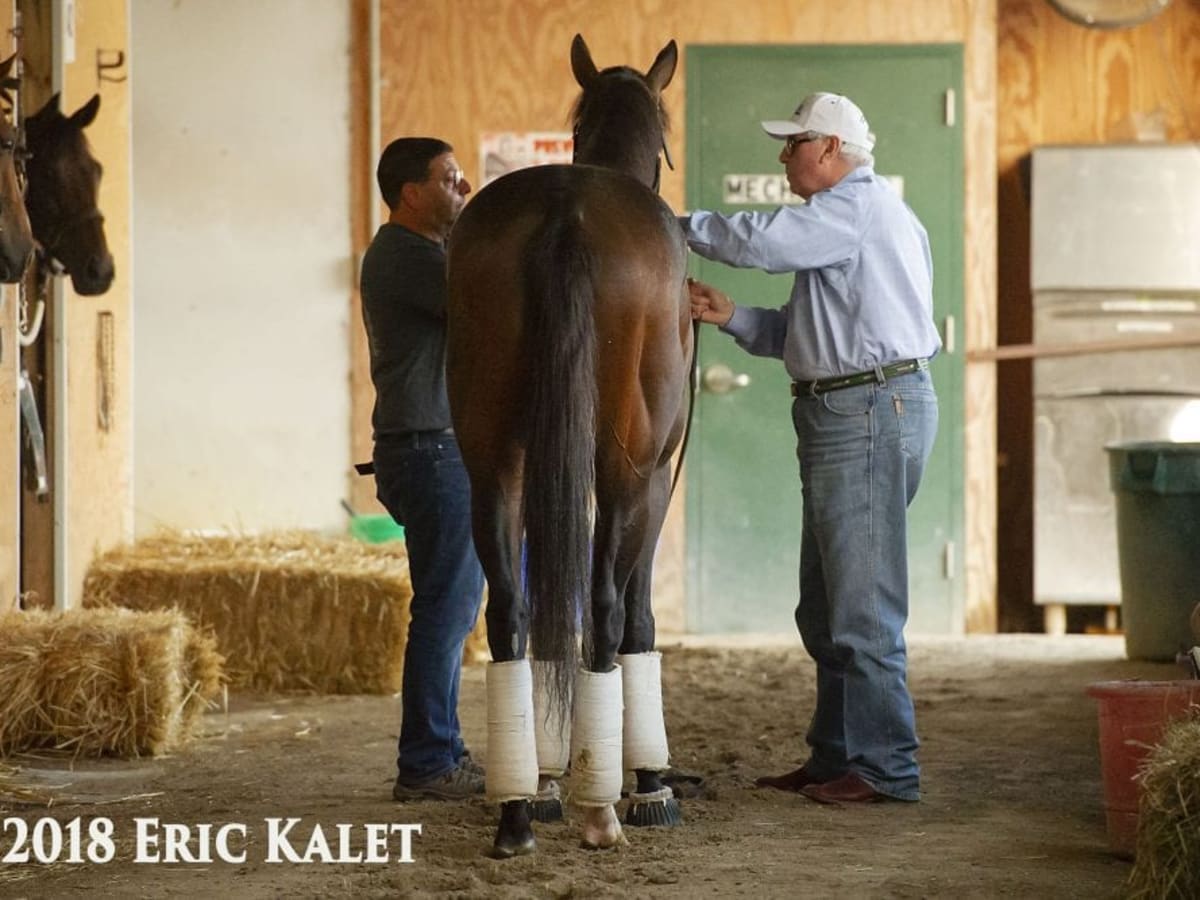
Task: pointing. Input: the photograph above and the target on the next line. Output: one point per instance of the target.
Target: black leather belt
(420, 438)
(871, 376)
(407, 441)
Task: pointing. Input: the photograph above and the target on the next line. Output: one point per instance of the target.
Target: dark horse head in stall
(16, 239)
(63, 183)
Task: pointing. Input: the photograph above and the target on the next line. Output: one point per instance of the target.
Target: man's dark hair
(406, 160)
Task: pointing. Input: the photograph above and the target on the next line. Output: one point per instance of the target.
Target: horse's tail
(561, 440)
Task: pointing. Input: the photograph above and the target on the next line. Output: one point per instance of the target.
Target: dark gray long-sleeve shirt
(404, 309)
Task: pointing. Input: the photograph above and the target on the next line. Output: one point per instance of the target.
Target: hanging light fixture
(1109, 13)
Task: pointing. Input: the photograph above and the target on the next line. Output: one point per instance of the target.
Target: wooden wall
(461, 67)
(100, 505)
(1058, 82)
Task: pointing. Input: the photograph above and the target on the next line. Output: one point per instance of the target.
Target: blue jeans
(862, 451)
(421, 481)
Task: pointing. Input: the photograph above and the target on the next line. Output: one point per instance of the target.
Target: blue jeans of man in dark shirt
(421, 481)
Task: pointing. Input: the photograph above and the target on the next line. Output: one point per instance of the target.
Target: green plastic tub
(376, 529)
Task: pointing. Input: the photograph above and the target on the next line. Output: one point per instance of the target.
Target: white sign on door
(772, 190)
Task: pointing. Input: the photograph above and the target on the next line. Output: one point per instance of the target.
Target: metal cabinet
(1116, 257)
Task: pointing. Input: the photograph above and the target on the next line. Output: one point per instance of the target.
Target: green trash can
(1157, 487)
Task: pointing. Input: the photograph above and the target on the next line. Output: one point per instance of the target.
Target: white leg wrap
(512, 752)
(553, 733)
(596, 733)
(645, 731)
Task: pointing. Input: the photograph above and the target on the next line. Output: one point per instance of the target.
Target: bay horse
(568, 351)
(62, 195)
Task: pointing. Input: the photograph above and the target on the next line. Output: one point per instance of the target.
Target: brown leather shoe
(793, 781)
(850, 788)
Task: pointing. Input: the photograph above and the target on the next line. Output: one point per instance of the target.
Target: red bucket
(1133, 717)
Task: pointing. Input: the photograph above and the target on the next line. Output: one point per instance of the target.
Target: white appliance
(1115, 256)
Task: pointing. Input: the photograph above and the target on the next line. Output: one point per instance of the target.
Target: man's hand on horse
(709, 304)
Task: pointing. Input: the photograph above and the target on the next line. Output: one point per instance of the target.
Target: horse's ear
(47, 114)
(86, 114)
(659, 75)
(581, 61)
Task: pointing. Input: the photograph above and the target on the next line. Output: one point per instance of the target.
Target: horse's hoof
(514, 836)
(508, 848)
(550, 810)
(607, 844)
(659, 809)
(601, 829)
(546, 805)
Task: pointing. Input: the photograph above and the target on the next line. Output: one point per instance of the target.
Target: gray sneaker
(460, 783)
(467, 761)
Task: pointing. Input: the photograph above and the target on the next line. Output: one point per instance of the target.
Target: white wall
(242, 263)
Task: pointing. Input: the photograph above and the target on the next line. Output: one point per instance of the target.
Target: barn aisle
(1012, 792)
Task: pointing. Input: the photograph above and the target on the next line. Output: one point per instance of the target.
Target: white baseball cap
(823, 113)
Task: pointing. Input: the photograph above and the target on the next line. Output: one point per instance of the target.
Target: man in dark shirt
(419, 474)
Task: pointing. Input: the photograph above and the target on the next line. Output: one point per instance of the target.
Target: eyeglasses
(797, 139)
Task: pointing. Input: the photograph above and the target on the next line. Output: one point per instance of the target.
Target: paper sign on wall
(505, 151)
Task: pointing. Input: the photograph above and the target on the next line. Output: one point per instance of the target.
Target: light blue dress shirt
(863, 294)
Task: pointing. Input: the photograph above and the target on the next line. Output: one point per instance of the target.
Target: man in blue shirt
(855, 336)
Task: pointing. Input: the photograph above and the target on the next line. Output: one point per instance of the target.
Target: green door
(743, 487)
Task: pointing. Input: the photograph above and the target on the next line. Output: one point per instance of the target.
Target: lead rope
(693, 386)
(694, 369)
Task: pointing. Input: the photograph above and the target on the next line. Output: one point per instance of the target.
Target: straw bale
(103, 681)
(1168, 837)
(289, 610)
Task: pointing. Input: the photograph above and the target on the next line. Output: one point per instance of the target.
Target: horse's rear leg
(596, 760)
(553, 746)
(651, 802)
(512, 773)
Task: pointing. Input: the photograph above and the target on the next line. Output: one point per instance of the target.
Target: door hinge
(948, 561)
(948, 112)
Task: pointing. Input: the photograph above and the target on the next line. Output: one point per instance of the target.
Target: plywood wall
(462, 67)
(100, 477)
(1061, 83)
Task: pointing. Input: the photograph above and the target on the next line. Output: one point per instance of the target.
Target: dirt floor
(1012, 800)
